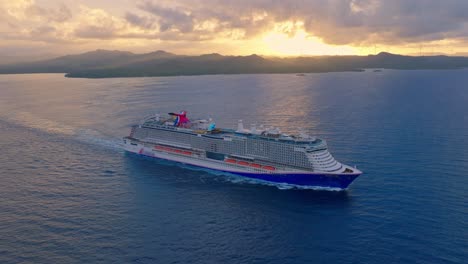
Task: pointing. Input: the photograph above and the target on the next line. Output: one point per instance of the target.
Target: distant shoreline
(67, 75)
(298, 74)
(119, 64)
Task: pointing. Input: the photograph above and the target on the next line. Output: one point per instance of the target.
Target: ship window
(214, 147)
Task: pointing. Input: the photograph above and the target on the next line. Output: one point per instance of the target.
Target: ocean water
(69, 194)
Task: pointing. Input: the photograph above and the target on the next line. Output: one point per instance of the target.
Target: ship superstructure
(260, 153)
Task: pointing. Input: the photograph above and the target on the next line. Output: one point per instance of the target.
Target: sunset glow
(301, 43)
(289, 28)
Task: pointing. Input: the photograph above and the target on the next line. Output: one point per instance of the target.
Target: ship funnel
(240, 126)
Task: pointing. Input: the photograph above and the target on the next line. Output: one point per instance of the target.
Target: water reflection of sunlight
(286, 101)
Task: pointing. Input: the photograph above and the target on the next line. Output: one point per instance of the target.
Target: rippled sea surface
(69, 194)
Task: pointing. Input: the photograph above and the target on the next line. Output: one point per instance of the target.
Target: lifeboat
(168, 149)
(255, 165)
(271, 168)
(243, 163)
(231, 161)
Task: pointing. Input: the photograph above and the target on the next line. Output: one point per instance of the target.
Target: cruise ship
(261, 153)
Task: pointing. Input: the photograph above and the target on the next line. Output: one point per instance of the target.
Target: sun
(281, 43)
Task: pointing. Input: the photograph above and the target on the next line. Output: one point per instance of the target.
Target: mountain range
(106, 64)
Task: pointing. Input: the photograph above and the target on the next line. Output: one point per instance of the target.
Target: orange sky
(268, 27)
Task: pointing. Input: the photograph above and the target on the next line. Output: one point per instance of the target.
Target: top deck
(207, 128)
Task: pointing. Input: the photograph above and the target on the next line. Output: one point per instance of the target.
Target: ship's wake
(85, 135)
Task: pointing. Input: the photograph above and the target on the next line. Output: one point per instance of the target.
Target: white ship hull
(303, 178)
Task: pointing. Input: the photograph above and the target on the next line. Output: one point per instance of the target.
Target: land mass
(107, 64)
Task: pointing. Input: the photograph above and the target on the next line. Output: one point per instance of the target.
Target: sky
(234, 27)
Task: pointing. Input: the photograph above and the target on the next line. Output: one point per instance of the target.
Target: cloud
(59, 14)
(28, 10)
(169, 18)
(97, 24)
(94, 32)
(387, 22)
(140, 21)
(335, 21)
(25, 20)
(43, 30)
(341, 22)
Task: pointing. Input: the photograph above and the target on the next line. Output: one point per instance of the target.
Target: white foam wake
(86, 135)
(96, 138)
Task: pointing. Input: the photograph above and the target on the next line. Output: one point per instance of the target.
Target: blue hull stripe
(341, 181)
